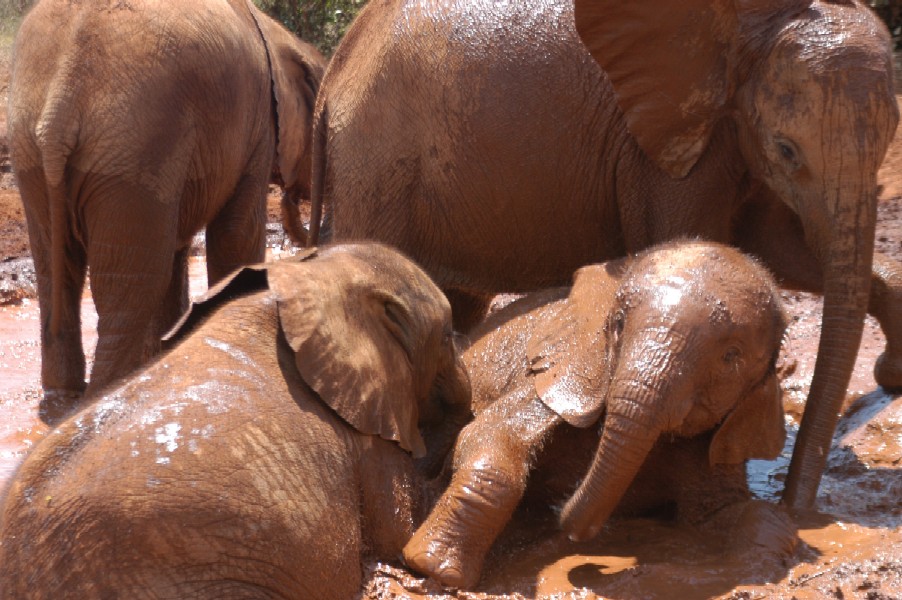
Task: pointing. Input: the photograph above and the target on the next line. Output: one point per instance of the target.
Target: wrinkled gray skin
(262, 456)
(673, 352)
(483, 140)
(133, 125)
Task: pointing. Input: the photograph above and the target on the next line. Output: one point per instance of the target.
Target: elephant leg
(237, 236)
(131, 255)
(886, 306)
(717, 501)
(492, 461)
(176, 300)
(62, 353)
(467, 308)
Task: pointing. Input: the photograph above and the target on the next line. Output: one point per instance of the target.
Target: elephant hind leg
(886, 306)
(237, 235)
(131, 252)
(62, 354)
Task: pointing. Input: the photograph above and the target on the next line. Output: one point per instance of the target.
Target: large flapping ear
(567, 352)
(754, 429)
(672, 66)
(348, 342)
(297, 70)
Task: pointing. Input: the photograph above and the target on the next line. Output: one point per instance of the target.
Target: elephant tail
(56, 139)
(291, 216)
(318, 183)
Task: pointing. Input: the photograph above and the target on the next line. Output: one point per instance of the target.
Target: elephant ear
(240, 282)
(673, 65)
(754, 429)
(297, 70)
(567, 352)
(349, 342)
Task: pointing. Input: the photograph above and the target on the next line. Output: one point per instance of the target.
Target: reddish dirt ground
(851, 545)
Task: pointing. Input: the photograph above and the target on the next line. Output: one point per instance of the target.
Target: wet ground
(852, 543)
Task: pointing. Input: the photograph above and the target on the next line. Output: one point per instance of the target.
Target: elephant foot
(765, 534)
(888, 372)
(56, 405)
(433, 551)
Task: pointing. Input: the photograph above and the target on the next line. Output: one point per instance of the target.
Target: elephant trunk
(291, 216)
(847, 278)
(452, 391)
(633, 422)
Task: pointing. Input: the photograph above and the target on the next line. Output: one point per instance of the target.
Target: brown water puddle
(20, 369)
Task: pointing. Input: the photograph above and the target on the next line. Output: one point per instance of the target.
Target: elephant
(535, 137)
(655, 373)
(132, 125)
(291, 428)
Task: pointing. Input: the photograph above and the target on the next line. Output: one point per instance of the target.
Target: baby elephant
(673, 352)
(262, 455)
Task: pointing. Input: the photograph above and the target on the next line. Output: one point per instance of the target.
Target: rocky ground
(852, 542)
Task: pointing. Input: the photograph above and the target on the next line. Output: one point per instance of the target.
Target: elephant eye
(731, 356)
(788, 153)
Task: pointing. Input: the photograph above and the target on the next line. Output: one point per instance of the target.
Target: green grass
(11, 12)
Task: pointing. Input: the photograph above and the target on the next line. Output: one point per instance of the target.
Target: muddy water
(20, 364)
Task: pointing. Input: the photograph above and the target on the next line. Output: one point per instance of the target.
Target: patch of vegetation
(11, 13)
(320, 22)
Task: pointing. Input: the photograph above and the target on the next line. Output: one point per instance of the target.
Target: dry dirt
(851, 545)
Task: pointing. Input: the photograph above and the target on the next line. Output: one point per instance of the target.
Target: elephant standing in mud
(132, 125)
(674, 352)
(262, 455)
(535, 137)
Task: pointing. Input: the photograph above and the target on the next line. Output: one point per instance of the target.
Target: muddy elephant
(674, 353)
(289, 431)
(517, 156)
(132, 125)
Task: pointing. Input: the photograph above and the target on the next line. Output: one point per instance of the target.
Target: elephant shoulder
(496, 352)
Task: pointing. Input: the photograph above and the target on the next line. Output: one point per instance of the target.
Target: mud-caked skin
(535, 137)
(673, 353)
(132, 125)
(274, 446)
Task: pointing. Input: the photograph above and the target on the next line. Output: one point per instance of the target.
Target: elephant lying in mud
(538, 136)
(132, 125)
(262, 455)
(674, 352)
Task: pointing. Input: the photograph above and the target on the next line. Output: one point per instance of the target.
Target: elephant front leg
(490, 471)
(716, 499)
(886, 306)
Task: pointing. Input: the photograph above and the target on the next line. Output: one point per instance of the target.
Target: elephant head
(691, 334)
(371, 336)
(297, 69)
(806, 88)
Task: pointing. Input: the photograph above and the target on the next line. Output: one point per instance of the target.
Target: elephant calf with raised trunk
(263, 455)
(673, 352)
(132, 125)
